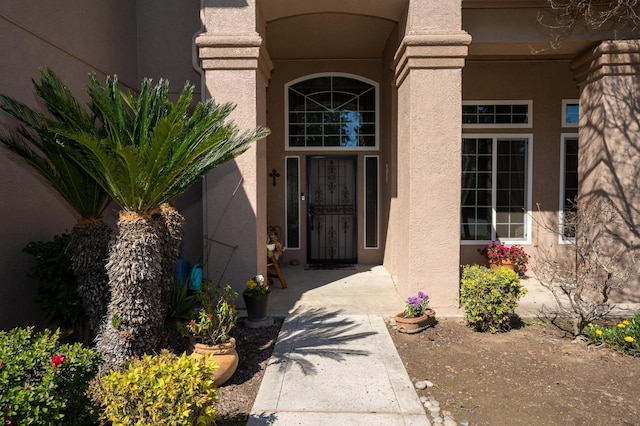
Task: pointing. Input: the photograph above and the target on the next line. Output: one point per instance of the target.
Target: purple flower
(414, 301)
(422, 296)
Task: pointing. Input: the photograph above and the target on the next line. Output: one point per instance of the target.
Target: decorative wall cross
(273, 175)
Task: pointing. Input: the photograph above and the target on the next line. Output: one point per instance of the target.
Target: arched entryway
(414, 52)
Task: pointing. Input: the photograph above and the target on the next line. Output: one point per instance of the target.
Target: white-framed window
(497, 114)
(292, 203)
(371, 201)
(331, 112)
(496, 188)
(570, 112)
(568, 185)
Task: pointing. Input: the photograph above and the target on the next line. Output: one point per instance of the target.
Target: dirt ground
(531, 375)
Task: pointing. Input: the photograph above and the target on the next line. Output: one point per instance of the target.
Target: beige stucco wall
(428, 191)
(73, 37)
(37, 34)
(422, 251)
(165, 49)
(236, 71)
(609, 169)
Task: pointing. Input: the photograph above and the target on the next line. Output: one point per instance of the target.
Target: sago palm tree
(152, 151)
(47, 153)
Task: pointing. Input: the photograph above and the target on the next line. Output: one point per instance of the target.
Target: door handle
(310, 215)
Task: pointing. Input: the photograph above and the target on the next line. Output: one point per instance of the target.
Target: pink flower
(56, 360)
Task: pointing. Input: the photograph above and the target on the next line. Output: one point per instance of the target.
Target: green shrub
(182, 303)
(43, 382)
(58, 291)
(161, 389)
(624, 336)
(489, 296)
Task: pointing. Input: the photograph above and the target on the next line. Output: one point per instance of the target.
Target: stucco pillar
(236, 70)
(609, 128)
(428, 77)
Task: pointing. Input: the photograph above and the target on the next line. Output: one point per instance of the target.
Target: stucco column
(428, 77)
(236, 69)
(609, 128)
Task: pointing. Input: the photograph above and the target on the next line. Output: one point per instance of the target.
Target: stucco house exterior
(406, 133)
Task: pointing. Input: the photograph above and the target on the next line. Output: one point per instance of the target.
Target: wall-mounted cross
(273, 175)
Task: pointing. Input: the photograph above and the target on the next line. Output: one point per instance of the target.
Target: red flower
(192, 323)
(57, 359)
(210, 315)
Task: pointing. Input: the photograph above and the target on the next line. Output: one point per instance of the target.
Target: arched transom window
(332, 112)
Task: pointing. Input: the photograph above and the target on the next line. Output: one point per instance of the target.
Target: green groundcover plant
(44, 382)
(623, 336)
(489, 296)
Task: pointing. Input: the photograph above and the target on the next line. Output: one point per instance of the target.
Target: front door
(331, 209)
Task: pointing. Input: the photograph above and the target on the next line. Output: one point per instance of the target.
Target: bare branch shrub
(563, 16)
(600, 258)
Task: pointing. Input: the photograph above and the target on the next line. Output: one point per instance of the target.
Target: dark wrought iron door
(331, 210)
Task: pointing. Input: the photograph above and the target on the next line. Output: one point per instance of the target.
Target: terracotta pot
(224, 355)
(416, 324)
(494, 264)
(256, 306)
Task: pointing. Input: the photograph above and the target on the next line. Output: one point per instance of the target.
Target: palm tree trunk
(134, 315)
(89, 247)
(171, 229)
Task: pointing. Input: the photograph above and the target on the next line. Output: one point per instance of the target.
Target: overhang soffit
(392, 10)
(328, 35)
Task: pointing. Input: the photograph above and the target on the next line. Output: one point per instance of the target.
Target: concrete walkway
(330, 368)
(334, 362)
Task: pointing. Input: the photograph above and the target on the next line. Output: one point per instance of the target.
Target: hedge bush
(44, 382)
(489, 296)
(161, 389)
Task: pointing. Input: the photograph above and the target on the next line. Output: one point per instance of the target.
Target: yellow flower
(626, 322)
(621, 325)
(590, 325)
(598, 332)
(628, 339)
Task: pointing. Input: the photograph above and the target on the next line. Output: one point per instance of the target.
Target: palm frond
(154, 150)
(47, 152)
(61, 103)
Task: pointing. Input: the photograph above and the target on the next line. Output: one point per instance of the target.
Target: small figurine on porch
(274, 246)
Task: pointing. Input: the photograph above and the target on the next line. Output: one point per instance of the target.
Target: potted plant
(256, 298)
(416, 316)
(209, 329)
(513, 257)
